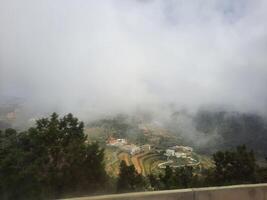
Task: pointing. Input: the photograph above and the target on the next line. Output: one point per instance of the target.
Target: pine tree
(129, 180)
(50, 160)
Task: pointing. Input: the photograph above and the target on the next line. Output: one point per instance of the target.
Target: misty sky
(104, 56)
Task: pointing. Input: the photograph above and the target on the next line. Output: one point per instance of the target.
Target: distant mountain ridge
(234, 129)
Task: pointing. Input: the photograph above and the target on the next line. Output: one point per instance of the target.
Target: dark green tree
(129, 180)
(51, 160)
(18, 178)
(154, 182)
(232, 167)
(261, 174)
(183, 177)
(167, 178)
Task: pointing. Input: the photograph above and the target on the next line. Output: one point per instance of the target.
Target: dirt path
(137, 164)
(136, 160)
(125, 156)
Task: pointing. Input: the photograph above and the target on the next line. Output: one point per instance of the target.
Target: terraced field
(137, 163)
(126, 157)
(147, 162)
(112, 161)
(144, 163)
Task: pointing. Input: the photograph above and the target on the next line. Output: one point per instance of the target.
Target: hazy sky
(100, 56)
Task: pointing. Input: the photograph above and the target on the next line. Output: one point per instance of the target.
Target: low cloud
(100, 57)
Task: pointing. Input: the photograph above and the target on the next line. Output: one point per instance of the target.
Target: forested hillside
(234, 128)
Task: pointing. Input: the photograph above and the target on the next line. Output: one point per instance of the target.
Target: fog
(101, 57)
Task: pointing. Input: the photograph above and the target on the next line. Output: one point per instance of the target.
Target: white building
(179, 151)
(122, 141)
(145, 147)
(170, 152)
(116, 142)
(180, 155)
(135, 150)
(188, 148)
(131, 149)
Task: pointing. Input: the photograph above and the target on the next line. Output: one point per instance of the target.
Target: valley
(148, 147)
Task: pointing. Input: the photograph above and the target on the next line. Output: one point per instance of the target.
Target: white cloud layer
(103, 56)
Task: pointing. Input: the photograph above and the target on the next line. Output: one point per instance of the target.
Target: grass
(112, 161)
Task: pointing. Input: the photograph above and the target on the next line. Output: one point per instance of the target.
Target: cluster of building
(129, 148)
(179, 151)
(116, 142)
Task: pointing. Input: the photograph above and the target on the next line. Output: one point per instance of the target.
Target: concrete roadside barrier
(235, 192)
